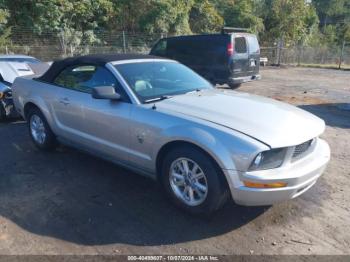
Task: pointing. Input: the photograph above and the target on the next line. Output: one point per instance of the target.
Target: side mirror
(105, 92)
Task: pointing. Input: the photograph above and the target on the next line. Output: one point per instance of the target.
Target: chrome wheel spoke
(180, 167)
(195, 168)
(190, 194)
(198, 176)
(200, 187)
(185, 166)
(178, 176)
(179, 180)
(198, 192)
(185, 192)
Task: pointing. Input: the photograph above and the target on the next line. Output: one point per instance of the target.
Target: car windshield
(28, 60)
(157, 80)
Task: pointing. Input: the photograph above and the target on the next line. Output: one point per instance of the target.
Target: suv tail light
(230, 49)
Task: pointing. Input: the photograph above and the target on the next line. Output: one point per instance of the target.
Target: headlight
(268, 159)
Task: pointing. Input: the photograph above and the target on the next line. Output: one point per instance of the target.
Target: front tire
(40, 131)
(193, 181)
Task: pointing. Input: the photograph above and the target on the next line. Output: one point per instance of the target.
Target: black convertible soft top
(98, 60)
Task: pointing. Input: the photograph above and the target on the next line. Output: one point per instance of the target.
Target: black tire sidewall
(2, 112)
(50, 140)
(234, 86)
(216, 195)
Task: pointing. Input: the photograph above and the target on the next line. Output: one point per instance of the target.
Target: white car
(12, 66)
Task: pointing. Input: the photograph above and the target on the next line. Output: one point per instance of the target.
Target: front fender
(199, 137)
(231, 149)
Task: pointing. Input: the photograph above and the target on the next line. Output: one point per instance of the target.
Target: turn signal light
(269, 185)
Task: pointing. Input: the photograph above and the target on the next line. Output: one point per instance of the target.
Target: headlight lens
(268, 159)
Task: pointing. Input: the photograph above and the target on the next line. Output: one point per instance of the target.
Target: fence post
(341, 54)
(124, 42)
(280, 45)
(278, 51)
(299, 54)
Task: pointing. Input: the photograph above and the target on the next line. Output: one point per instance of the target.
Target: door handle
(64, 101)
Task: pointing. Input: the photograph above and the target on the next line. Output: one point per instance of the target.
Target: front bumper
(243, 79)
(299, 176)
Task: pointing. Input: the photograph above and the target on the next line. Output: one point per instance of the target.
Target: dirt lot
(67, 202)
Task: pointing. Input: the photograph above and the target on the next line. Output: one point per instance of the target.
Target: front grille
(301, 149)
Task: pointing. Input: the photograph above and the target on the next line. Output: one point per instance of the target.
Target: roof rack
(227, 30)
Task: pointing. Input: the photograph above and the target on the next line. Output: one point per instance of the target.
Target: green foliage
(166, 16)
(289, 20)
(241, 13)
(334, 19)
(204, 17)
(316, 22)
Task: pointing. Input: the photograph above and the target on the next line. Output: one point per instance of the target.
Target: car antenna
(154, 107)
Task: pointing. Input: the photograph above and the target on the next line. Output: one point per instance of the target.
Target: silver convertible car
(159, 118)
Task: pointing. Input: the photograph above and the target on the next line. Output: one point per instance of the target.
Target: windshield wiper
(157, 99)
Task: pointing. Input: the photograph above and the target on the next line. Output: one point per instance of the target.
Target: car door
(254, 54)
(240, 60)
(98, 125)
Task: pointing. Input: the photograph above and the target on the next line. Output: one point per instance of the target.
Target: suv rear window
(253, 44)
(240, 45)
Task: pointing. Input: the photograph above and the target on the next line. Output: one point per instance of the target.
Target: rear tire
(200, 190)
(234, 86)
(40, 131)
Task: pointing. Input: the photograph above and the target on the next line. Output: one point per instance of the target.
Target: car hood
(272, 122)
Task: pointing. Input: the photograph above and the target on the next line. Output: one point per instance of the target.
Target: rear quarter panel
(27, 90)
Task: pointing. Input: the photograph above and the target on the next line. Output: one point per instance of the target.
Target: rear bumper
(243, 79)
(299, 177)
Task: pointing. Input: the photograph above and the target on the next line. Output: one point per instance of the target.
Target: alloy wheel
(188, 181)
(37, 129)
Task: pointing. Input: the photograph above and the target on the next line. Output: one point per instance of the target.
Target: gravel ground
(67, 202)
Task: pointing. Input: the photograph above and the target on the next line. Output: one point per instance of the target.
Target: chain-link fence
(306, 55)
(49, 46)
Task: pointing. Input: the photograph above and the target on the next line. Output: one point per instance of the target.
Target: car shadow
(335, 115)
(78, 198)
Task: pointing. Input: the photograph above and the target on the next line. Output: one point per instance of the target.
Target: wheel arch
(27, 107)
(183, 143)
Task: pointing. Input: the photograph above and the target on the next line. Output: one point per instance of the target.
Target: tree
(289, 20)
(167, 16)
(240, 13)
(204, 17)
(334, 19)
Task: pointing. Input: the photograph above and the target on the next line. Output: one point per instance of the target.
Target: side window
(160, 48)
(240, 45)
(84, 78)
